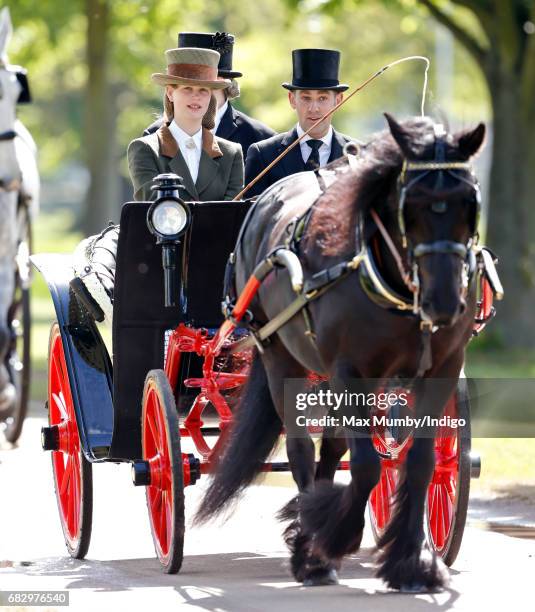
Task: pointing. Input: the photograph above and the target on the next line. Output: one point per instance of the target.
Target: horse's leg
(405, 560)
(334, 514)
(8, 246)
(332, 450)
(310, 570)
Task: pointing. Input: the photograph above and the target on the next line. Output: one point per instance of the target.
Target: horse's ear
(470, 141)
(400, 135)
(5, 32)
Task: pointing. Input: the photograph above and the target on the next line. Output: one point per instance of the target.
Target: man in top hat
(230, 124)
(314, 90)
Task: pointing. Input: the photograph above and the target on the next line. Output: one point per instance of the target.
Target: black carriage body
(140, 318)
(107, 399)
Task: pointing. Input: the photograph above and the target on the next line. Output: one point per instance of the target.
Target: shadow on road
(240, 581)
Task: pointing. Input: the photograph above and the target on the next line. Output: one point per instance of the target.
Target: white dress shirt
(190, 147)
(219, 115)
(324, 150)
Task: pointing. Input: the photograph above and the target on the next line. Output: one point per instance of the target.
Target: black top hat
(315, 69)
(221, 42)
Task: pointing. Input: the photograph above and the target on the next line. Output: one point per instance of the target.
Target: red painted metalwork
(160, 490)
(66, 462)
(484, 304)
(442, 492)
(213, 382)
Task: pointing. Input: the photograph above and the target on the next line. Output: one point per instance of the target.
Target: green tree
(500, 36)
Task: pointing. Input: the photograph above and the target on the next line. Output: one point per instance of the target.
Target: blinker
(25, 95)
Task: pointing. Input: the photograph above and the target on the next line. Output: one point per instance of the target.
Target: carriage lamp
(168, 219)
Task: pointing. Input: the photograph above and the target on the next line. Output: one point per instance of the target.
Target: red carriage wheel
(448, 492)
(160, 436)
(447, 496)
(380, 504)
(381, 498)
(73, 476)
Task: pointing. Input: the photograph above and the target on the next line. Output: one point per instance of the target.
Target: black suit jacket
(234, 126)
(261, 154)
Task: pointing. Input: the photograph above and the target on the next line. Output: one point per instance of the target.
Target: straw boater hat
(191, 66)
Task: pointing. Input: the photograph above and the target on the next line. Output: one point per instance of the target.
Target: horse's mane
(332, 224)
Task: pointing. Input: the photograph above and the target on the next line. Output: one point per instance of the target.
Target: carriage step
(475, 465)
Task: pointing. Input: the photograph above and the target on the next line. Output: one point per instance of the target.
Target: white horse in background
(19, 186)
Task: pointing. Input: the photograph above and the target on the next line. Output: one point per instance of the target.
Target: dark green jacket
(220, 170)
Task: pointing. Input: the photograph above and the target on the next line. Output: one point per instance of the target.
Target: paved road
(236, 566)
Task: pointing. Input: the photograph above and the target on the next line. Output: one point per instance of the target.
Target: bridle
(408, 268)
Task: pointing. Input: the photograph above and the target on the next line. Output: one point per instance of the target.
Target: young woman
(211, 167)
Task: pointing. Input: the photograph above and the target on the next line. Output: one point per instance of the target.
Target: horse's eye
(439, 207)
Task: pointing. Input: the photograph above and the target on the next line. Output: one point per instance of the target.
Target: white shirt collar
(182, 137)
(219, 115)
(327, 139)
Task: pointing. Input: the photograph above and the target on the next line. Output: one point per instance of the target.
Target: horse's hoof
(325, 577)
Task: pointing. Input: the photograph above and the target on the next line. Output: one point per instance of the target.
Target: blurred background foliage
(50, 41)
(89, 64)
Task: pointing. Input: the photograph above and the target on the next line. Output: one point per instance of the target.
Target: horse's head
(437, 206)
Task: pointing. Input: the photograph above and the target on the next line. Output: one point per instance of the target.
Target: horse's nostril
(462, 308)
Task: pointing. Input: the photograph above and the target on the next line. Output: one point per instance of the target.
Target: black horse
(400, 309)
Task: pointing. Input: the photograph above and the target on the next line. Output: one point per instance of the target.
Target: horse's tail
(255, 430)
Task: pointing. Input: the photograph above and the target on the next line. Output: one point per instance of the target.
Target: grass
(504, 460)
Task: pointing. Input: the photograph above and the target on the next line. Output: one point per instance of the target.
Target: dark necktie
(313, 161)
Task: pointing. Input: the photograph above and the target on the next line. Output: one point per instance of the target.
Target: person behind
(230, 123)
(211, 168)
(314, 90)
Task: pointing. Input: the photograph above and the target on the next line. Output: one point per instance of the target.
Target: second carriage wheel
(19, 322)
(73, 476)
(447, 496)
(160, 436)
(380, 504)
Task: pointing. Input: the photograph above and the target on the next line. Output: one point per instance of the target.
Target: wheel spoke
(163, 522)
(59, 401)
(66, 476)
(152, 429)
(70, 512)
(75, 492)
(168, 519)
(156, 503)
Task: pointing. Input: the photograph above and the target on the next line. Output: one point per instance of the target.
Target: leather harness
(371, 281)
